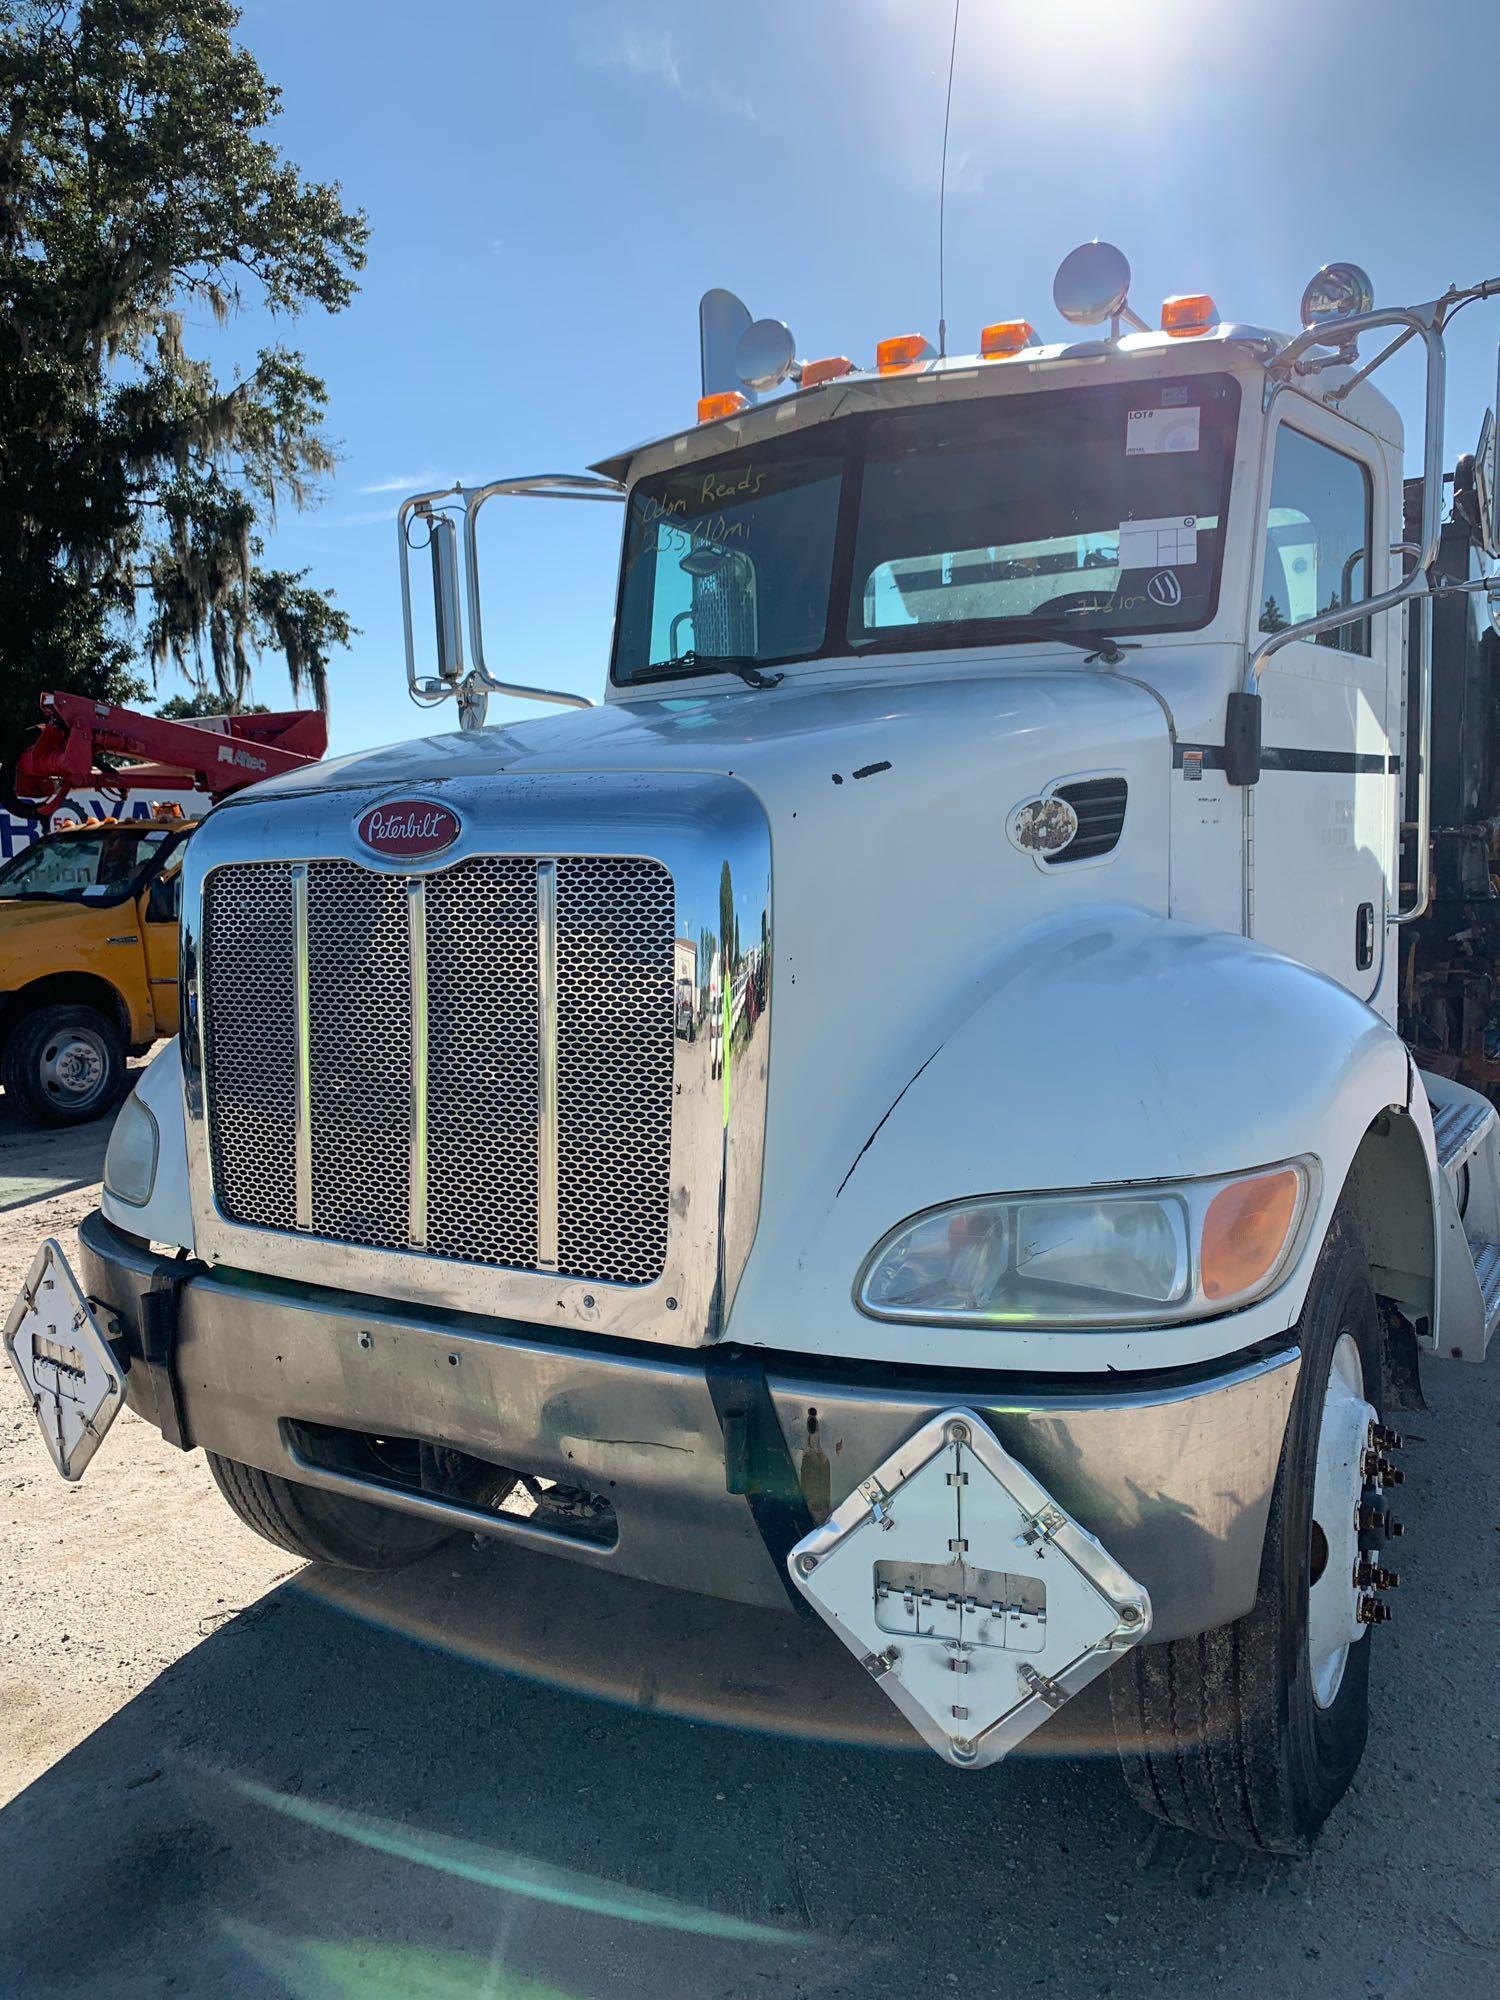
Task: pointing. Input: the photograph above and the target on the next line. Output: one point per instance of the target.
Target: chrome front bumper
(1172, 1473)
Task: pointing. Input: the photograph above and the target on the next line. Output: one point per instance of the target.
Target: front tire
(1252, 1734)
(64, 1065)
(323, 1527)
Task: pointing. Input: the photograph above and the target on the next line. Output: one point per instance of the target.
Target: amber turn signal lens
(728, 403)
(902, 350)
(1245, 1231)
(826, 370)
(1188, 312)
(1006, 336)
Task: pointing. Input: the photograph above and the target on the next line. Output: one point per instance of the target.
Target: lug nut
(1372, 1576)
(1373, 1520)
(1376, 1466)
(1372, 1612)
(1383, 1436)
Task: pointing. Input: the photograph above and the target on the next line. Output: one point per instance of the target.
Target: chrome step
(1487, 1271)
(1459, 1129)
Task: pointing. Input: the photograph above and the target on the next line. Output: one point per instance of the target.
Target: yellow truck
(88, 914)
(88, 962)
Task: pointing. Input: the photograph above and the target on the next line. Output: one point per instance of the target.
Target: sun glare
(1083, 51)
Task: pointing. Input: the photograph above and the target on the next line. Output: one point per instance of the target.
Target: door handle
(1364, 937)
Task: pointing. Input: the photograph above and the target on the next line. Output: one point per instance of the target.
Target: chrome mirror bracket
(472, 689)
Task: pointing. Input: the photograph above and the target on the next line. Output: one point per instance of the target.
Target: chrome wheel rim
(75, 1064)
(1333, 1622)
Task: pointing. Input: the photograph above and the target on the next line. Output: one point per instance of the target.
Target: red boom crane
(216, 754)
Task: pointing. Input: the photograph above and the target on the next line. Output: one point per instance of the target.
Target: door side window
(164, 899)
(1317, 539)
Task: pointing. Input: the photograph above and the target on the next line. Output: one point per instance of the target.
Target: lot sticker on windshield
(1168, 543)
(1148, 432)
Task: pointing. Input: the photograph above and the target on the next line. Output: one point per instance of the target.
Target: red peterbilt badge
(408, 828)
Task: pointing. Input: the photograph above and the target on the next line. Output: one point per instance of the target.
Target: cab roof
(1138, 356)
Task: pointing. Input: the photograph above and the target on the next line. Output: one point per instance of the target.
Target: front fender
(1103, 1046)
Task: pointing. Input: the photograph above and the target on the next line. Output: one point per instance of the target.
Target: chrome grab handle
(1424, 762)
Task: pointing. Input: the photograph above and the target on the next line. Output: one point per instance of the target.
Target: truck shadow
(501, 1775)
(38, 1162)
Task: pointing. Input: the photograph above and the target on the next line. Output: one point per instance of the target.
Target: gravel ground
(223, 1773)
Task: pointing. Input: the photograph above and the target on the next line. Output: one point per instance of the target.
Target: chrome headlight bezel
(133, 1153)
(1186, 1200)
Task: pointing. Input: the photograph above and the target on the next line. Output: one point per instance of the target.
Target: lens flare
(517, 1874)
(354, 1969)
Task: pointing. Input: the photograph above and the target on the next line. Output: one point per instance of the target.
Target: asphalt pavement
(498, 1775)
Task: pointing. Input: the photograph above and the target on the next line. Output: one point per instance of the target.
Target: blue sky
(550, 189)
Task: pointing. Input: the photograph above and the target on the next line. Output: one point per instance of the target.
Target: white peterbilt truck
(940, 1102)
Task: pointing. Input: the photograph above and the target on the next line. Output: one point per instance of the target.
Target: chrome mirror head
(443, 542)
(1339, 291)
(765, 354)
(1487, 485)
(1092, 284)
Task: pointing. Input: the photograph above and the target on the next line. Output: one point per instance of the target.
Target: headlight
(130, 1157)
(1131, 1256)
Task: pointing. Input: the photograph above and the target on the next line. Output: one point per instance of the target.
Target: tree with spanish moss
(140, 198)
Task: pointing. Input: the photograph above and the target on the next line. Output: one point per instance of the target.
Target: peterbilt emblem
(1041, 826)
(408, 828)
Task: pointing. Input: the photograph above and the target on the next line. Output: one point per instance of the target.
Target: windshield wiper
(682, 665)
(1098, 645)
(1008, 632)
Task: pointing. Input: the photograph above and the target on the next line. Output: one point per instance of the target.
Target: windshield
(1099, 509)
(732, 558)
(94, 867)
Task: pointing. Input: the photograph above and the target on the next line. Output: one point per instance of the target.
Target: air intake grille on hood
(1100, 806)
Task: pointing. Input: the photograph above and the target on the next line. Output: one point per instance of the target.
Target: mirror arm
(473, 689)
(538, 486)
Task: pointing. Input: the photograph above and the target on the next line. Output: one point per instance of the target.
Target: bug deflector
(973, 1598)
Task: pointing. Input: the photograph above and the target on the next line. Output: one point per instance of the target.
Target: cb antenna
(943, 193)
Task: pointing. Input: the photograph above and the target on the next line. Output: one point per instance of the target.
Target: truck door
(1323, 817)
(161, 905)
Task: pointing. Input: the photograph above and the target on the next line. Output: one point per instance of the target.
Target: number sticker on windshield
(1148, 432)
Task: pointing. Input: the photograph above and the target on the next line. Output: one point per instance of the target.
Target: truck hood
(898, 897)
(805, 734)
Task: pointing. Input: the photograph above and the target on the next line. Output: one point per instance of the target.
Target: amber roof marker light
(725, 403)
(1006, 336)
(828, 369)
(1188, 313)
(903, 351)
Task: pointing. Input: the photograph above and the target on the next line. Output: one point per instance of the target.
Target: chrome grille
(614, 1066)
(359, 1019)
(482, 1062)
(475, 1191)
(248, 1007)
